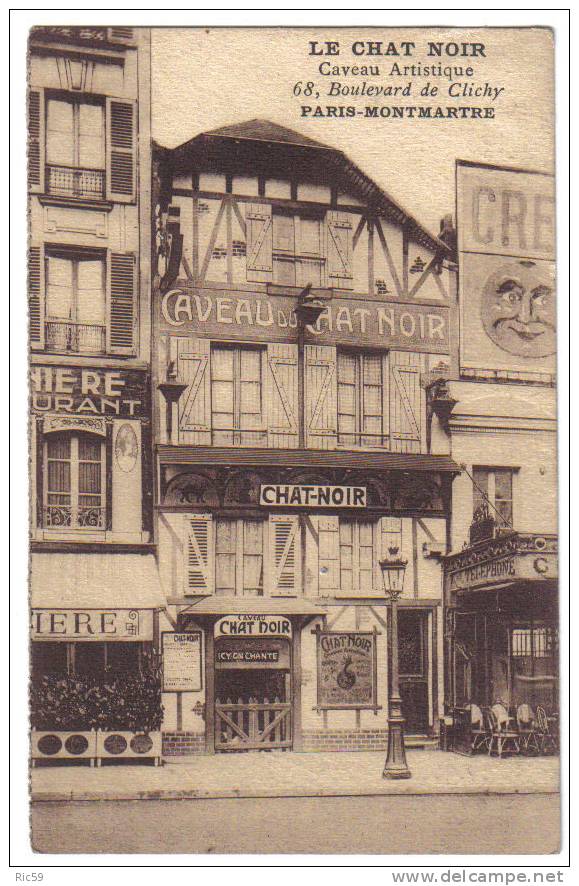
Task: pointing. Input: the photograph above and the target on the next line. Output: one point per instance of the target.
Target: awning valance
(95, 581)
(307, 458)
(219, 606)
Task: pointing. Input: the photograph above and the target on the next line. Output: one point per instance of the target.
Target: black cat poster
(346, 669)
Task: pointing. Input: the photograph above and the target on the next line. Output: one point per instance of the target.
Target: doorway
(413, 669)
(253, 709)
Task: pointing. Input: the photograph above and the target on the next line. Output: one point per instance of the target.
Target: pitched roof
(265, 130)
(271, 142)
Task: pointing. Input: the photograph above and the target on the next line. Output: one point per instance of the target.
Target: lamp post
(393, 569)
(308, 310)
(171, 390)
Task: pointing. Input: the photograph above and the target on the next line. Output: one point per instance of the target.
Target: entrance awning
(310, 458)
(219, 606)
(95, 581)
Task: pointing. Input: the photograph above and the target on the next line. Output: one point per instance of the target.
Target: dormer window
(298, 252)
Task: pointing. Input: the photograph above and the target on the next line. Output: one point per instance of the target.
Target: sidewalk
(297, 775)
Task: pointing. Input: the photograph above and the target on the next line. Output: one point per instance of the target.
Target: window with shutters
(493, 489)
(75, 147)
(239, 557)
(298, 249)
(360, 399)
(74, 482)
(82, 302)
(237, 407)
(357, 555)
(75, 301)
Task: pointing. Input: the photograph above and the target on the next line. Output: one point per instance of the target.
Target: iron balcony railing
(70, 181)
(74, 517)
(65, 335)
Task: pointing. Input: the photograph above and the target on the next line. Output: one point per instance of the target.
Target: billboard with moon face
(506, 245)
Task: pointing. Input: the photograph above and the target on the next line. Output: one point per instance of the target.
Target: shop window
(49, 658)
(74, 482)
(85, 659)
(534, 643)
(75, 301)
(298, 256)
(75, 148)
(237, 407)
(535, 663)
(89, 659)
(123, 658)
(360, 399)
(239, 558)
(357, 555)
(494, 485)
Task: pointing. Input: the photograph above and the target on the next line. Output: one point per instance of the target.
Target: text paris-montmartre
(398, 112)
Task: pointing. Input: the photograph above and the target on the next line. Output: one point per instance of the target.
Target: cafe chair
(479, 733)
(528, 738)
(546, 738)
(503, 737)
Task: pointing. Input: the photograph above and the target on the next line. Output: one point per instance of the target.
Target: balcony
(79, 338)
(69, 181)
(70, 517)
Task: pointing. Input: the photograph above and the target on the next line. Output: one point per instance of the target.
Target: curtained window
(74, 481)
(75, 301)
(75, 134)
(494, 485)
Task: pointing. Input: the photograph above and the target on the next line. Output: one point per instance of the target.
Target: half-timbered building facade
(299, 313)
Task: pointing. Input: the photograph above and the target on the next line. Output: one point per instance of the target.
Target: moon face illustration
(126, 448)
(518, 308)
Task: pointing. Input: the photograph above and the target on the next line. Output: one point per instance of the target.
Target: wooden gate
(252, 725)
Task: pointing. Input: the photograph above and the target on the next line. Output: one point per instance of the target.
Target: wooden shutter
(36, 296)
(121, 150)
(407, 402)
(321, 396)
(199, 554)
(121, 298)
(339, 240)
(36, 140)
(328, 555)
(122, 35)
(386, 439)
(191, 358)
(259, 242)
(282, 396)
(284, 556)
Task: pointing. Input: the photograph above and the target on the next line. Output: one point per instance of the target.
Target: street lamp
(393, 569)
(171, 390)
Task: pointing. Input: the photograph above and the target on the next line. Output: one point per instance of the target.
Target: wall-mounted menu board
(182, 662)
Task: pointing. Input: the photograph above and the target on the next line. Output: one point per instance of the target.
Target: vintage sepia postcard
(293, 440)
